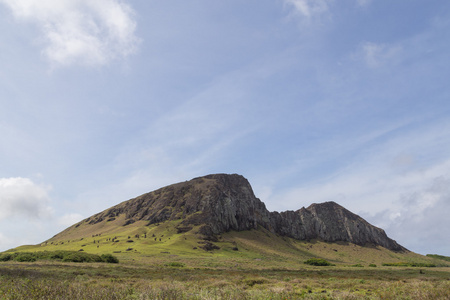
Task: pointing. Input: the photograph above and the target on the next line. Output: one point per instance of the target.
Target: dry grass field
(157, 262)
(57, 280)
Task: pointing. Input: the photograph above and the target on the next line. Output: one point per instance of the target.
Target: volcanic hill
(212, 205)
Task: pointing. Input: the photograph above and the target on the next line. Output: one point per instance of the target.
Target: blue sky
(312, 101)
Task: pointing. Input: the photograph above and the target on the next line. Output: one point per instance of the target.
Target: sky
(310, 100)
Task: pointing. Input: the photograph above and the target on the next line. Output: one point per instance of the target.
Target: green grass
(175, 264)
(156, 244)
(60, 255)
(58, 280)
(318, 262)
(440, 257)
(408, 264)
(157, 262)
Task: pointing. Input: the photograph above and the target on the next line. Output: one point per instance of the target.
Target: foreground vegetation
(173, 280)
(64, 256)
(159, 262)
(410, 264)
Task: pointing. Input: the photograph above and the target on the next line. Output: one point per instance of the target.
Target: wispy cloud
(80, 31)
(400, 184)
(22, 197)
(363, 2)
(4, 241)
(422, 217)
(69, 219)
(309, 9)
(28, 206)
(376, 55)
(191, 139)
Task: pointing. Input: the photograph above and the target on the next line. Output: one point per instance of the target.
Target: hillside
(219, 216)
(221, 203)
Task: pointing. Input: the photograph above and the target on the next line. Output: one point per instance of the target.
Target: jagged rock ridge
(221, 202)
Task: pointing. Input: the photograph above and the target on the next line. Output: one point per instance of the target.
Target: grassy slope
(265, 266)
(256, 248)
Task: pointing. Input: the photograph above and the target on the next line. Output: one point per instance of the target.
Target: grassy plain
(159, 262)
(46, 280)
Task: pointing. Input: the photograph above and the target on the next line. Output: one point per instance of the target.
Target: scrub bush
(318, 262)
(108, 258)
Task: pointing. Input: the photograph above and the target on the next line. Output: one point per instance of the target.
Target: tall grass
(56, 280)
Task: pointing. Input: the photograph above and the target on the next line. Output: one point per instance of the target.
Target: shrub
(318, 262)
(406, 264)
(25, 257)
(81, 257)
(254, 281)
(65, 256)
(56, 255)
(108, 258)
(6, 257)
(74, 257)
(397, 264)
(422, 265)
(175, 264)
(373, 265)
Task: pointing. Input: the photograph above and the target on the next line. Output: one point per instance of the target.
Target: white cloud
(80, 31)
(26, 204)
(309, 8)
(376, 55)
(402, 162)
(4, 241)
(24, 198)
(69, 219)
(363, 2)
(422, 219)
(402, 185)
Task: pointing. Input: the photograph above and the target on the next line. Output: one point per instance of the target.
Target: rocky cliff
(219, 203)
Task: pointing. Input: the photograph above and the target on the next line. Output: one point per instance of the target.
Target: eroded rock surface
(223, 202)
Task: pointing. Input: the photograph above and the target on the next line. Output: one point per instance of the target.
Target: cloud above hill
(79, 31)
(21, 197)
(422, 217)
(69, 219)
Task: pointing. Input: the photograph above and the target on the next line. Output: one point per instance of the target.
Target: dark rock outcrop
(221, 202)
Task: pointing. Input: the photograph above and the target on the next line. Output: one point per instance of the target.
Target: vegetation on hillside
(64, 256)
(409, 264)
(169, 260)
(248, 265)
(318, 262)
(441, 257)
(152, 244)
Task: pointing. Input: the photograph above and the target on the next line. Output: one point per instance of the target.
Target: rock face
(221, 202)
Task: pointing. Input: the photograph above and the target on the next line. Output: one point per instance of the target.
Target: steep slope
(220, 203)
(331, 222)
